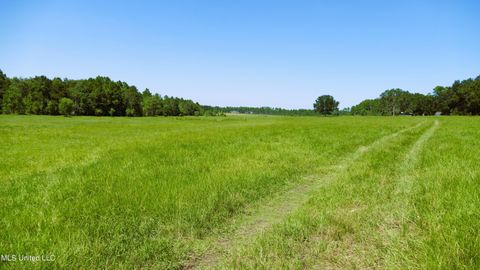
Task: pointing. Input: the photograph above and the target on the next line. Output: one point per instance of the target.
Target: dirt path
(283, 204)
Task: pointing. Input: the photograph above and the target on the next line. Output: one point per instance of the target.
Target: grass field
(253, 192)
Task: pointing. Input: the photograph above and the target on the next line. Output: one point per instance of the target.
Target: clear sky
(246, 52)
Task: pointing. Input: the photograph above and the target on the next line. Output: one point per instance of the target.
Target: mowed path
(397, 219)
(278, 208)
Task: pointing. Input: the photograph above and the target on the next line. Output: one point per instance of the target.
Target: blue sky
(252, 53)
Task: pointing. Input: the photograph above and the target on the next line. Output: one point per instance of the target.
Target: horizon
(275, 54)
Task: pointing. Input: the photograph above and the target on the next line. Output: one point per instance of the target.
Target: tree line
(95, 96)
(461, 98)
(103, 97)
(217, 110)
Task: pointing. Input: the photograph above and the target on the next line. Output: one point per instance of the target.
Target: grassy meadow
(244, 192)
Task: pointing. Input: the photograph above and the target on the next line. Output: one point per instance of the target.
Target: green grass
(167, 192)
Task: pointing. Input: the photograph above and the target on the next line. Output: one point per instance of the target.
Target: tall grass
(147, 192)
(411, 204)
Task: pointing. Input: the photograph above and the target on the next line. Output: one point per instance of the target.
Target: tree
(52, 107)
(188, 107)
(13, 97)
(129, 112)
(152, 105)
(3, 87)
(57, 91)
(216, 110)
(37, 95)
(66, 106)
(98, 96)
(325, 105)
(170, 106)
(146, 93)
(472, 96)
(132, 100)
(461, 98)
(367, 107)
(393, 101)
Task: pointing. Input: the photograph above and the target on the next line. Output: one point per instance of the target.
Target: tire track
(398, 219)
(405, 182)
(283, 204)
(378, 238)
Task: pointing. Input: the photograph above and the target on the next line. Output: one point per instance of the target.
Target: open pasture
(247, 192)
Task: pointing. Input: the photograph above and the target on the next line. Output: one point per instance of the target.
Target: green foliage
(98, 96)
(52, 107)
(170, 106)
(216, 110)
(188, 108)
(12, 98)
(393, 101)
(66, 107)
(3, 87)
(397, 102)
(325, 105)
(98, 112)
(152, 104)
(462, 98)
(367, 107)
(130, 112)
